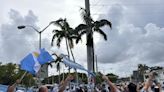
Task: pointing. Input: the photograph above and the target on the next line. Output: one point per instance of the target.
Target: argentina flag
(72, 64)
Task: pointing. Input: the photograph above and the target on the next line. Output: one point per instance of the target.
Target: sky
(136, 37)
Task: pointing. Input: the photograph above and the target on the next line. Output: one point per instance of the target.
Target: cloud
(130, 43)
(137, 35)
(16, 43)
(140, 13)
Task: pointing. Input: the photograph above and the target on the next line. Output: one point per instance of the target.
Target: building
(136, 76)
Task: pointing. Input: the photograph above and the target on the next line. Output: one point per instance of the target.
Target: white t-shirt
(149, 90)
(55, 89)
(19, 91)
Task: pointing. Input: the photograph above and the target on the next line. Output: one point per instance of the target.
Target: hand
(152, 75)
(18, 81)
(69, 78)
(105, 77)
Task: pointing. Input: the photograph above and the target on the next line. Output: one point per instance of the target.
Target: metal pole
(44, 67)
(96, 64)
(40, 40)
(90, 52)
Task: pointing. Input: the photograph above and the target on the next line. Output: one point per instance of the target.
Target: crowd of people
(149, 86)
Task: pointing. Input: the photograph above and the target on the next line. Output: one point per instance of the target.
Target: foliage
(54, 79)
(90, 27)
(10, 72)
(112, 77)
(82, 78)
(65, 31)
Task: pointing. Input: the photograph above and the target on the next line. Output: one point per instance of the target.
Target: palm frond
(58, 22)
(55, 31)
(82, 33)
(102, 33)
(53, 38)
(78, 39)
(81, 27)
(58, 66)
(58, 41)
(50, 64)
(102, 23)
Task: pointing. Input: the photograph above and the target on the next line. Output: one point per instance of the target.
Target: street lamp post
(45, 67)
(39, 32)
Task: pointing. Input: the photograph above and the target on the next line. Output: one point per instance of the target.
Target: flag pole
(23, 75)
(21, 78)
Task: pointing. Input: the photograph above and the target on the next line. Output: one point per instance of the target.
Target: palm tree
(89, 27)
(57, 61)
(65, 32)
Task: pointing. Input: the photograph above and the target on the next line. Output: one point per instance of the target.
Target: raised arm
(67, 80)
(111, 85)
(148, 82)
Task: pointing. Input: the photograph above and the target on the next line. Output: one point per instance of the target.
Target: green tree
(89, 27)
(112, 77)
(10, 72)
(7, 73)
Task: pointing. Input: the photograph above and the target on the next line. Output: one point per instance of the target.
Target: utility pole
(90, 48)
(96, 63)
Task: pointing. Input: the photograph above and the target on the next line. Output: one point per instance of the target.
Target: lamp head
(21, 27)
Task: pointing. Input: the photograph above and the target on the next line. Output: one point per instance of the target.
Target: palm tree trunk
(67, 47)
(59, 74)
(72, 54)
(67, 50)
(74, 61)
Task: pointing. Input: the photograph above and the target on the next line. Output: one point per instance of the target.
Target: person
(43, 89)
(149, 82)
(55, 88)
(132, 87)
(113, 87)
(157, 87)
(12, 87)
(103, 88)
(62, 85)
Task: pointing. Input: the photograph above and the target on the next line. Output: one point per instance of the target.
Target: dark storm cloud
(15, 44)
